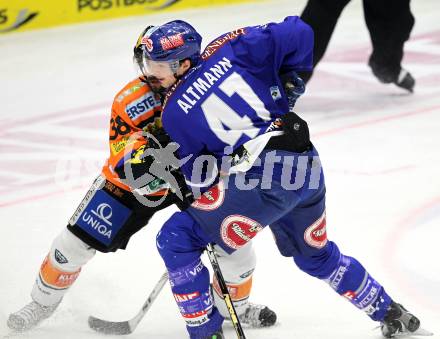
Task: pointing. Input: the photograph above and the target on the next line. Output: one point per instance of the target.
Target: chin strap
(178, 77)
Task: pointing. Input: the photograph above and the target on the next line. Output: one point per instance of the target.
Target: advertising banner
(20, 15)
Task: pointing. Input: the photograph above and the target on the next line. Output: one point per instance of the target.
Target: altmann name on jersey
(99, 219)
(141, 106)
(199, 87)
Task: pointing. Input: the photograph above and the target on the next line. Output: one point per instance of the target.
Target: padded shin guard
(60, 268)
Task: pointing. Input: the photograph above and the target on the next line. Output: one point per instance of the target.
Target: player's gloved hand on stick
(158, 139)
(294, 87)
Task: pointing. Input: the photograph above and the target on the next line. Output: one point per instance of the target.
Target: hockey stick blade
(110, 327)
(128, 326)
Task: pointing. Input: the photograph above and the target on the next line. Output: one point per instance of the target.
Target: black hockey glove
(296, 137)
(158, 138)
(294, 87)
(297, 131)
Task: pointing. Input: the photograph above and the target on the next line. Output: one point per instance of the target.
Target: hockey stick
(225, 292)
(128, 326)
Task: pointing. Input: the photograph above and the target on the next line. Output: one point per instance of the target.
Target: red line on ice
(374, 121)
(39, 118)
(389, 250)
(38, 197)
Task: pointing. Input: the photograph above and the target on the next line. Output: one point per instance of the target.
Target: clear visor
(158, 69)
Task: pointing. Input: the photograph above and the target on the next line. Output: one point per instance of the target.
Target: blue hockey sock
(190, 286)
(348, 278)
(352, 281)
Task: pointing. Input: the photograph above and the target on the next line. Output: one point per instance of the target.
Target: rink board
(22, 15)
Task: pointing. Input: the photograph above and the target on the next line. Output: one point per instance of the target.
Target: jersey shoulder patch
(137, 102)
(132, 90)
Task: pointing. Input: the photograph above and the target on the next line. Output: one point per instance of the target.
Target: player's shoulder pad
(132, 91)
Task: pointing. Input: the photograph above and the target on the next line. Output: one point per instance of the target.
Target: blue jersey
(234, 94)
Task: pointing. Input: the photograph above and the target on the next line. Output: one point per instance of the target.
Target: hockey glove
(158, 139)
(294, 87)
(296, 137)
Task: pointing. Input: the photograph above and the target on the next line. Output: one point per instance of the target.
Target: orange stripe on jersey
(56, 278)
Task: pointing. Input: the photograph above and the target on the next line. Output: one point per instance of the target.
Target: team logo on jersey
(211, 199)
(237, 230)
(275, 92)
(148, 43)
(316, 234)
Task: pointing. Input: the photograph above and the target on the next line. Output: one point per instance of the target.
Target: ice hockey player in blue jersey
(229, 108)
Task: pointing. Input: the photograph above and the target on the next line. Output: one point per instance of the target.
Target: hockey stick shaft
(128, 326)
(153, 295)
(225, 292)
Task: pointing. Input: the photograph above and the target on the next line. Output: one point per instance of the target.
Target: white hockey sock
(60, 268)
(237, 269)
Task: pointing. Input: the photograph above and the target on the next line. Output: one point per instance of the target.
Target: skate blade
(14, 334)
(420, 332)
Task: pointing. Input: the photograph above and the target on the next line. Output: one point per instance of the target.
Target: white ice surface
(380, 148)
